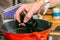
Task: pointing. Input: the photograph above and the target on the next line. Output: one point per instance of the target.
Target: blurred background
(52, 15)
(5, 3)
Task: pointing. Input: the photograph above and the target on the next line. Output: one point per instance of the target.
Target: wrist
(41, 2)
(46, 5)
(54, 3)
(51, 3)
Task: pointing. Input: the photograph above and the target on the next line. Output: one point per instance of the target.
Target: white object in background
(46, 6)
(7, 20)
(37, 16)
(50, 38)
(56, 13)
(56, 10)
(16, 2)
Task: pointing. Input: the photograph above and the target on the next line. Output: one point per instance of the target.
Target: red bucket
(39, 32)
(33, 36)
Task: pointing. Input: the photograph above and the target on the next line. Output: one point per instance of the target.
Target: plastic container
(56, 12)
(38, 32)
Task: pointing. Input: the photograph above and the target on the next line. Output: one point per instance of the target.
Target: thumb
(28, 17)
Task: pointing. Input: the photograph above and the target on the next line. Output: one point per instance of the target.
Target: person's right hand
(23, 7)
(31, 8)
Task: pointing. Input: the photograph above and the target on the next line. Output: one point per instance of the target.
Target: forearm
(53, 3)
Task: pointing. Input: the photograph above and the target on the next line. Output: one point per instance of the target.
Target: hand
(31, 8)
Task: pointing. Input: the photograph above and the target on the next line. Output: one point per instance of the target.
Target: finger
(32, 11)
(18, 12)
(23, 24)
(22, 8)
(17, 17)
(28, 17)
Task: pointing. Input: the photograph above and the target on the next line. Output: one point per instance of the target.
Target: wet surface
(31, 26)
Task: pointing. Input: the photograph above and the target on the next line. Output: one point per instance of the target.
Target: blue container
(56, 13)
(10, 14)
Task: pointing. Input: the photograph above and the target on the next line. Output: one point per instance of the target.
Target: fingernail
(25, 21)
(19, 21)
(23, 24)
(19, 24)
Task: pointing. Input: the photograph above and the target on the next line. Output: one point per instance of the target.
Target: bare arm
(54, 3)
(33, 8)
